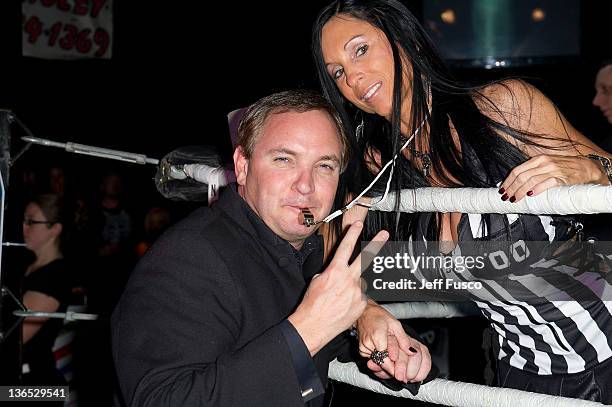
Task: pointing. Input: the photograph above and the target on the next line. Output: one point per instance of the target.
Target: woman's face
(36, 235)
(359, 60)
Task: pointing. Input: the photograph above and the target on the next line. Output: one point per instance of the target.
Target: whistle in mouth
(306, 217)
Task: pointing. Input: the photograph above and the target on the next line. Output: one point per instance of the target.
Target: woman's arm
(36, 301)
(560, 156)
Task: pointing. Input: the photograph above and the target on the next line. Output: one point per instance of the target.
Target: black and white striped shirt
(552, 335)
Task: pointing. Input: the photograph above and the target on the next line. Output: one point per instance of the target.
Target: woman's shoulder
(511, 102)
(522, 106)
(509, 90)
(51, 279)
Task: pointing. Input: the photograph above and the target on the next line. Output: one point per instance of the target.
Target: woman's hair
(53, 208)
(451, 101)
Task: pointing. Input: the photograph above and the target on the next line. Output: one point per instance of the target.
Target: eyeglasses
(30, 222)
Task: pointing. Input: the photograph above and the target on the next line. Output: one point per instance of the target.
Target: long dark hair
(451, 102)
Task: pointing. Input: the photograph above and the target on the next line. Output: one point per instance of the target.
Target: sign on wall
(67, 29)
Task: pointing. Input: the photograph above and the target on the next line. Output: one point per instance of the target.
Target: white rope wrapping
(411, 310)
(218, 176)
(449, 393)
(563, 200)
(214, 177)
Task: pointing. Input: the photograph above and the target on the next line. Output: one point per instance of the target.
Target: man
(598, 227)
(603, 89)
(218, 312)
(603, 98)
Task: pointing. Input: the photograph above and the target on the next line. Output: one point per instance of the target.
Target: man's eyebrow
(281, 150)
(332, 157)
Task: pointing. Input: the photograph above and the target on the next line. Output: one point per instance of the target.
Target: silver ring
(378, 356)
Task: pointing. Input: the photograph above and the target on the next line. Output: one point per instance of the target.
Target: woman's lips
(371, 91)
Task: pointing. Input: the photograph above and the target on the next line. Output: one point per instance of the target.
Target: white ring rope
(214, 177)
(218, 176)
(449, 393)
(424, 309)
(563, 200)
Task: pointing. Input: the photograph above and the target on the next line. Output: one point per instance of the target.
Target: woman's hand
(547, 171)
(409, 359)
(407, 368)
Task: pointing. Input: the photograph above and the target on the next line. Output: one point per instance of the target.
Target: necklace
(425, 160)
(424, 157)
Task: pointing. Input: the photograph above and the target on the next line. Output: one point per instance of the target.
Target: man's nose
(304, 183)
(597, 99)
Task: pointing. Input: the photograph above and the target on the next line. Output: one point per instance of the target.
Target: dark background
(179, 67)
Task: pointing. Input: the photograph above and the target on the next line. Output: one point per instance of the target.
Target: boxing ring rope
(450, 393)
(564, 200)
(425, 309)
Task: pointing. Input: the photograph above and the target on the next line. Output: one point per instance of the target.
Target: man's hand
(335, 298)
(409, 359)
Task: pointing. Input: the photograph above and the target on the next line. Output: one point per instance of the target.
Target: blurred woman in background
(46, 287)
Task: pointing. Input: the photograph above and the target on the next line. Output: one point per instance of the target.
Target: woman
(46, 288)
(380, 70)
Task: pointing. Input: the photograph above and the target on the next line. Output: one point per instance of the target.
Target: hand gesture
(336, 297)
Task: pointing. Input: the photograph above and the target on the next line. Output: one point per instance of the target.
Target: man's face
(603, 95)
(295, 164)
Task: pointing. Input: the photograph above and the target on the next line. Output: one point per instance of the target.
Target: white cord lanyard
(391, 164)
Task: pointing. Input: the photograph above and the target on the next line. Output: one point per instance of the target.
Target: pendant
(426, 160)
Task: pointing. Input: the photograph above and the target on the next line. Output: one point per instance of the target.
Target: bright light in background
(448, 16)
(538, 15)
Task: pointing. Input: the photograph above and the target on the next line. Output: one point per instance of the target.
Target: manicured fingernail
(501, 190)
(411, 349)
(512, 199)
(504, 197)
(529, 193)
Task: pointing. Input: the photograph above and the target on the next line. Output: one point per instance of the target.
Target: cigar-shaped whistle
(306, 217)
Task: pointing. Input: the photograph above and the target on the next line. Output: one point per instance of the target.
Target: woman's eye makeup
(337, 73)
(361, 49)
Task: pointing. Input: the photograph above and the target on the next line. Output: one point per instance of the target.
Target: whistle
(306, 218)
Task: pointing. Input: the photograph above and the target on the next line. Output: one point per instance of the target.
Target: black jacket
(201, 320)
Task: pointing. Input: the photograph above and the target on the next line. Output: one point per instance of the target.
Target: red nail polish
(512, 199)
(501, 191)
(504, 197)
(529, 193)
